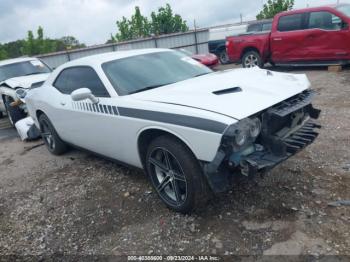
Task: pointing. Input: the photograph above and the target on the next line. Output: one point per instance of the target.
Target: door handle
(277, 39)
(63, 103)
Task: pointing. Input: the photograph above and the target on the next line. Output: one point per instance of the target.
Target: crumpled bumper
(262, 161)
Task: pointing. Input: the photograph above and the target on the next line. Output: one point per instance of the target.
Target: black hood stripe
(175, 119)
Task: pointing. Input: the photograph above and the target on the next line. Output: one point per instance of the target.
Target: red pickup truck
(311, 36)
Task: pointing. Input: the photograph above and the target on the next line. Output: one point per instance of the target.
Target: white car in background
(193, 130)
(16, 74)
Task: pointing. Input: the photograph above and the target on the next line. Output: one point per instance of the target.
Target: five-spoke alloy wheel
(170, 181)
(175, 174)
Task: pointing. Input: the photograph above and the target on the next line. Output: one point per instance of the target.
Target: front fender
(8, 91)
(203, 144)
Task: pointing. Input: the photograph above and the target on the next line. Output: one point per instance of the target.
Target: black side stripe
(176, 119)
(105, 109)
(97, 108)
(101, 108)
(115, 110)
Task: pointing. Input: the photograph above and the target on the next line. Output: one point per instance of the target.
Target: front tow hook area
(249, 168)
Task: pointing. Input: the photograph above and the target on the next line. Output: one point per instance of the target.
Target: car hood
(25, 81)
(237, 93)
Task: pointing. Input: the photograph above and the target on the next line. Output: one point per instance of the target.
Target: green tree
(273, 7)
(162, 22)
(165, 22)
(3, 53)
(125, 32)
(29, 45)
(140, 26)
(37, 45)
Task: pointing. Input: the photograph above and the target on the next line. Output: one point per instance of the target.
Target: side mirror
(82, 94)
(21, 93)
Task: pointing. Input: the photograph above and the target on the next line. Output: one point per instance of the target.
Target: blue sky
(92, 21)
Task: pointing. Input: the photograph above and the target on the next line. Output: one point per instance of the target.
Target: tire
(223, 57)
(252, 59)
(14, 113)
(170, 164)
(52, 141)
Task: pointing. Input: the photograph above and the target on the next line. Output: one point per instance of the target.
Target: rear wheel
(175, 174)
(53, 142)
(14, 113)
(223, 57)
(251, 59)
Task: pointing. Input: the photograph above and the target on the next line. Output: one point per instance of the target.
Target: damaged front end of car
(256, 144)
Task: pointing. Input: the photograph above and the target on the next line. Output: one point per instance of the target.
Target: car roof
(311, 9)
(105, 57)
(16, 60)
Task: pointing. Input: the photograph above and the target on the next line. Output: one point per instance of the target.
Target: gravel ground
(79, 204)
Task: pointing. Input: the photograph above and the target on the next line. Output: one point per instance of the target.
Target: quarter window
(254, 28)
(290, 23)
(267, 27)
(74, 78)
(324, 20)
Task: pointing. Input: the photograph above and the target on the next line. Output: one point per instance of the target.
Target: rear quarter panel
(237, 45)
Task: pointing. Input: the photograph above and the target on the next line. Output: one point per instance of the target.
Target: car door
(83, 123)
(287, 41)
(327, 38)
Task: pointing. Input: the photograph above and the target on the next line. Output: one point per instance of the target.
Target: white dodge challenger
(191, 129)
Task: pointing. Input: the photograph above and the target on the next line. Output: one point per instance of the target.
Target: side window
(267, 27)
(254, 28)
(77, 77)
(290, 23)
(63, 82)
(324, 20)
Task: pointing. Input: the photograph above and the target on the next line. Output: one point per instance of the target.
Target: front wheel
(53, 142)
(223, 57)
(175, 174)
(252, 59)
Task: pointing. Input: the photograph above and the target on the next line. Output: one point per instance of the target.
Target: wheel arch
(248, 49)
(147, 135)
(220, 48)
(38, 113)
(7, 91)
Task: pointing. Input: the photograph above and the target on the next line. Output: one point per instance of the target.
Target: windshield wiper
(35, 73)
(148, 88)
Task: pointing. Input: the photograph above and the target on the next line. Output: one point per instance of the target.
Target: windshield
(143, 72)
(345, 9)
(22, 69)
